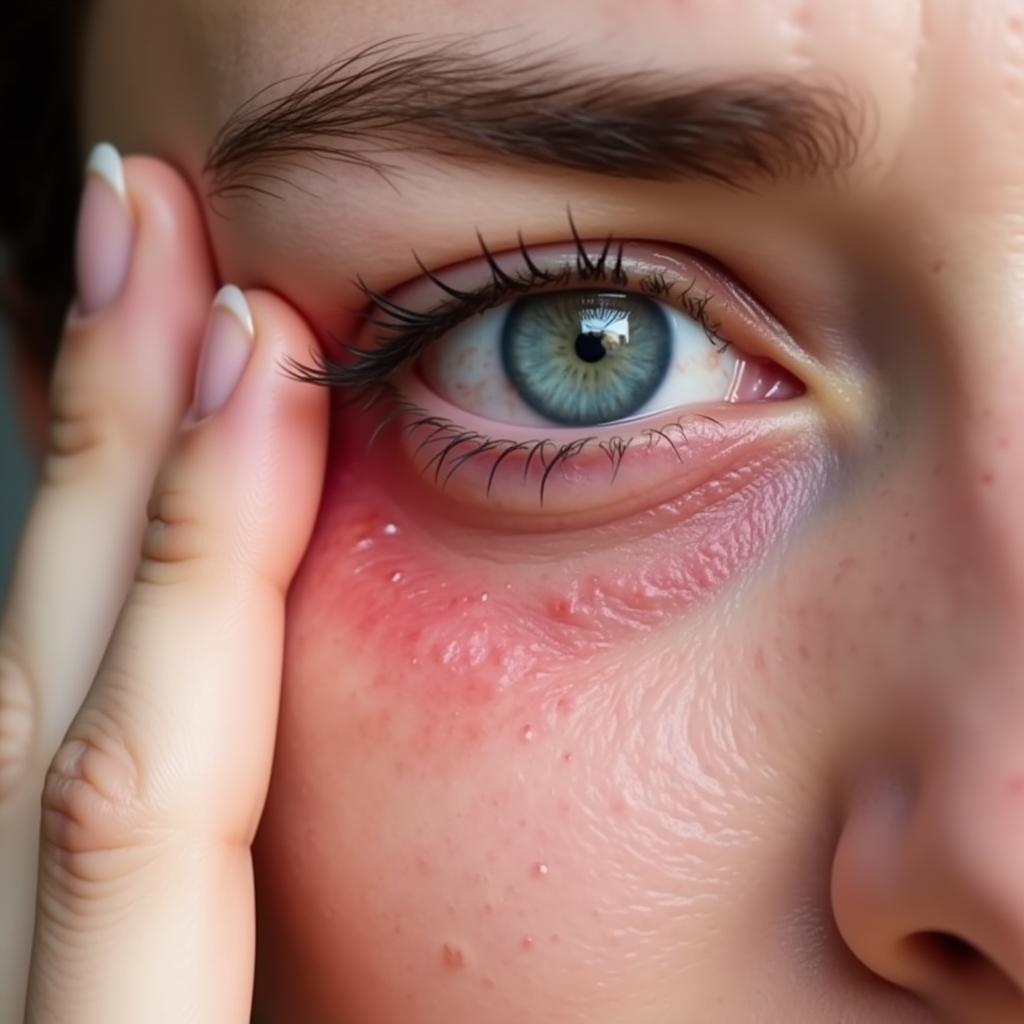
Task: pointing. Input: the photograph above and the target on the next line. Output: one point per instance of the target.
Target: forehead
(945, 77)
(268, 39)
(960, 59)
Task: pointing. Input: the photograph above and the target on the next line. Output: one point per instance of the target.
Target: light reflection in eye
(580, 358)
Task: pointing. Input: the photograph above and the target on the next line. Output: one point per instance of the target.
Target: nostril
(947, 956)
(949, 948)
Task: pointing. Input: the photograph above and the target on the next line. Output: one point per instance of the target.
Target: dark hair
(40, 176)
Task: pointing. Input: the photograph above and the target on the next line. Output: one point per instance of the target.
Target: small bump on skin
(452, 957)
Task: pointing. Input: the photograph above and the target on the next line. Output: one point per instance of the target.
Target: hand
(139, 693)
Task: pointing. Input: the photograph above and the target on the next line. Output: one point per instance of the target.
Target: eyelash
(413, 330)
(367, 371)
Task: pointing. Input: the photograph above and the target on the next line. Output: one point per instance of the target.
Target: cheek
(479, 777)
(501, 853)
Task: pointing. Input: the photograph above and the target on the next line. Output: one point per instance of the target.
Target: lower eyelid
(518, 482)
(484, 608)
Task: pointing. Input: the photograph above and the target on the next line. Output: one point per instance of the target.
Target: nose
(928, 875)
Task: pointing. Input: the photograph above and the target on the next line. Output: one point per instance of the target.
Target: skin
(637, 783)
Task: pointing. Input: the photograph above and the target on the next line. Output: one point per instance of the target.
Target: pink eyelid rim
(429, 403)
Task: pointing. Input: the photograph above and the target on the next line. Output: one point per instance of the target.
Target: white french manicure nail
(227, 346)
(105, 234)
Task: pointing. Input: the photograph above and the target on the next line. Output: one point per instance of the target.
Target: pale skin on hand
(794, 797)
(143, 638)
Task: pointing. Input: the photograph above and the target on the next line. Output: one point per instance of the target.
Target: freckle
(452, 957)
(539, 870)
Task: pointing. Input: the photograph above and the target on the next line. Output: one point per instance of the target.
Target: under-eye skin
(541, 372)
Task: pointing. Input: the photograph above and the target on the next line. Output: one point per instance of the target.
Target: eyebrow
(457, 100)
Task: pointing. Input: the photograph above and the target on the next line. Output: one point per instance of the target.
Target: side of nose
(928, 874)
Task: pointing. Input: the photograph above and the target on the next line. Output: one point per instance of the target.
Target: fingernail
(226, 350)
(103, 243)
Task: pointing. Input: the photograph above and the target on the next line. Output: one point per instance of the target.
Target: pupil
(590, 347)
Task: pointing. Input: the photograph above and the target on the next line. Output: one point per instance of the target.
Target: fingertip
(285, 339)
(172, 276)
(277, 427)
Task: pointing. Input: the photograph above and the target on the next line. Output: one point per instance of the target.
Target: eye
(579, 358)
(581, 380)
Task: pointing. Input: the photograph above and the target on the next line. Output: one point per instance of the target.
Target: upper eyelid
(370, 366)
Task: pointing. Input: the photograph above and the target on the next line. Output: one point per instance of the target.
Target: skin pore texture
(742, 740)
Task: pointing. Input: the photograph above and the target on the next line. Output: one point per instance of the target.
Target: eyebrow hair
(456, 100)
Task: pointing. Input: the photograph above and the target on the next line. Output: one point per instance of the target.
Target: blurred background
(15, 466)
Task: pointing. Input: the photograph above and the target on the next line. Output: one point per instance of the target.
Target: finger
(122, 380)
(145, 907)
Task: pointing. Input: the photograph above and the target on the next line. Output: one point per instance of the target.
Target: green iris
(582, 358)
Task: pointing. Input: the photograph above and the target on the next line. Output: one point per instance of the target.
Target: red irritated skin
(481, 668)
(453, 614)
